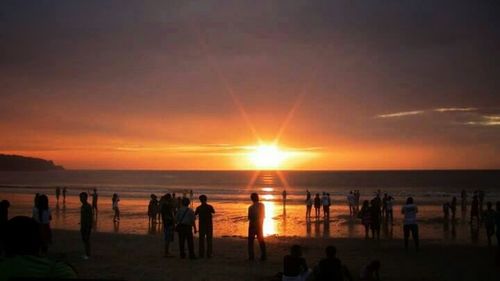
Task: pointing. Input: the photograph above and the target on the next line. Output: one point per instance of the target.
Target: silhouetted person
(4, 217)
(256, 215)
(317, 205)
(85, 223)
(410, 210)
(365, 215)
(22, 250)
(384, 204)
(185, 224)
(446, 211)
(42, 215)
(116, 208)
(64, 191)
(58, 193)
(474, 209)
(168, 218)
(309, 204)
(370, 272)
(489, 221)
(283, 195)
(389, 212)
(350, 202)
(294, 265)
(153, 209)
(376, 202)
(205, 226)
(453, 207)
(325, 201)
(463, 198)
(331, 268)
(375, 219)
(480, 197)
(95, 196)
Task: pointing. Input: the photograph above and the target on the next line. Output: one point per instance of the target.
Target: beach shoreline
(139, 257)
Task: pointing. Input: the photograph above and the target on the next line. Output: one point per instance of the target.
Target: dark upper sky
(167, 84)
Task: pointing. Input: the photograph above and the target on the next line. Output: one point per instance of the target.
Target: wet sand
(139, 257)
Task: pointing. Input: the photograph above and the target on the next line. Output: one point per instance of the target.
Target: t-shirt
(35, 267)
(293, 266)
(204, 212)
(185, 216)
(256, 214)
(44, 218)
(350, 199)
(325, 201)
(167, 212)
(86, 216)
(410, 212)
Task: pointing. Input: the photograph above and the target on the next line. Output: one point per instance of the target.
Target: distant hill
(21, 163)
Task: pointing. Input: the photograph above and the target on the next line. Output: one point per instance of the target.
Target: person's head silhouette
(254, 197)
(331, 251)
(185, 202)
(203, 198)
(22, 237)
(83, 197)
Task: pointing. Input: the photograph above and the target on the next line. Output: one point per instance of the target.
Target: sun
(267, 157)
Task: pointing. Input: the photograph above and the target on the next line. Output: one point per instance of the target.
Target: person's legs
(209, 242)
(201, 243)
(86, 241)
(366, 230)
(414, 234)
(406, 231)
(251, 236)
(182, 240)
(190, 242)
(262, 244)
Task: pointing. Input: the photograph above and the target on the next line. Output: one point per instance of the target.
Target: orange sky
(186, 86)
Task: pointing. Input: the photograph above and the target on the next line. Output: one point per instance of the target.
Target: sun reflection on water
(269, 224)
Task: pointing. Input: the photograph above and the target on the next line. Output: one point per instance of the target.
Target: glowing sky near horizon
(197, 84)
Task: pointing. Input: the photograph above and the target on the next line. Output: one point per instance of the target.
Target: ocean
(229, 192)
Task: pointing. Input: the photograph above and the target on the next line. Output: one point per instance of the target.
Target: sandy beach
(139, 257)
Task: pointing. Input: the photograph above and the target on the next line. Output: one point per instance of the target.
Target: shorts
(168, 232)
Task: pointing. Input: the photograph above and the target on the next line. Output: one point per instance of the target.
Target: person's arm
(212, 209)
(346, 273)
(194, 223)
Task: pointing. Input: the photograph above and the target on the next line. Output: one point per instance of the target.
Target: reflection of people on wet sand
(295, 266)
(85, 223)
(256, 215)
(22, 241)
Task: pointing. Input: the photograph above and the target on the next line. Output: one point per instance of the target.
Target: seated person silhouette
(23, 244)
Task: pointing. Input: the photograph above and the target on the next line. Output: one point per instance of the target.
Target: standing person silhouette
(167, 210)
(317, 205)
(410, 210)
(58, 193)
(488, 217)
(94, 201)
(474, 209)
(115, 199)
(256, 214)
(64, 191)
(86, 218)
(309, 204)
(463, 197)
(205, 226)
(453, 208)
(185, 223)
